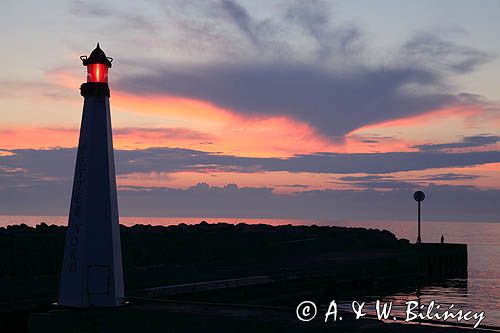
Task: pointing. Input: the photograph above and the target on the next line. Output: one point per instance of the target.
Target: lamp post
(419, 196)
(91, 274)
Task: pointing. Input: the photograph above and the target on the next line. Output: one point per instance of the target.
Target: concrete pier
(442, 260)
(361, 271)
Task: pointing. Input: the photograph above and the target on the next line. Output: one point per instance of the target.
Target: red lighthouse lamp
(97, 65)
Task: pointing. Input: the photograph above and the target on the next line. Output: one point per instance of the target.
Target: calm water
(480, 292)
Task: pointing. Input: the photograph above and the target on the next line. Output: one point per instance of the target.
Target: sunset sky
(278, 109)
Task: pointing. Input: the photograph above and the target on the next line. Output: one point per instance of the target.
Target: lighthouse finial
(97, 56)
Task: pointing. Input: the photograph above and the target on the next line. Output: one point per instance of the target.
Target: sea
(479, 292)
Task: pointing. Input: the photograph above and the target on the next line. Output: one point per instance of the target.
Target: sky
(260, 109)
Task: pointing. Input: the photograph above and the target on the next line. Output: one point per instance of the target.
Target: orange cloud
(231, 133)
(123, 138)
(4, 153)
(25, 137)
(437, 126)
(272, 137)
(424, 119)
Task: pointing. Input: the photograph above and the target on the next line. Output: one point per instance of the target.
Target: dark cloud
(364, 178)
(33, 89)
(39, 182)
(60, 162)
(333, 89)
(36, 163)
(375, 179)
(379, 182)
(12, 177)
(386, 184)
(336, 92)
(450, 176)
(375, 163)
(430, 50)
(202, 200)
(467, 142)
(294, 186)
(241, 19)
(88, 8)
(315, 18)
(114, 16)
(334, 102)
(389, 182)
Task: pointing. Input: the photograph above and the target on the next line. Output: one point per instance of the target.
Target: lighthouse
(91, 274)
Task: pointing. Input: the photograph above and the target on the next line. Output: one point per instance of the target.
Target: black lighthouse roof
(97, 57)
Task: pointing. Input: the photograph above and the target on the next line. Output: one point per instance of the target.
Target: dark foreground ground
(255, 267)
(188, 317)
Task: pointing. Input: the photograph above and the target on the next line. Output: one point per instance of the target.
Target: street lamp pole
(419, 239)
(419, 196)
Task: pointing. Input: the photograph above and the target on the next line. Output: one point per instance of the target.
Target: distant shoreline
(32, 220)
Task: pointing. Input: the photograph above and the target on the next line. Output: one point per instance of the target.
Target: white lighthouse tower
(92, 265)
